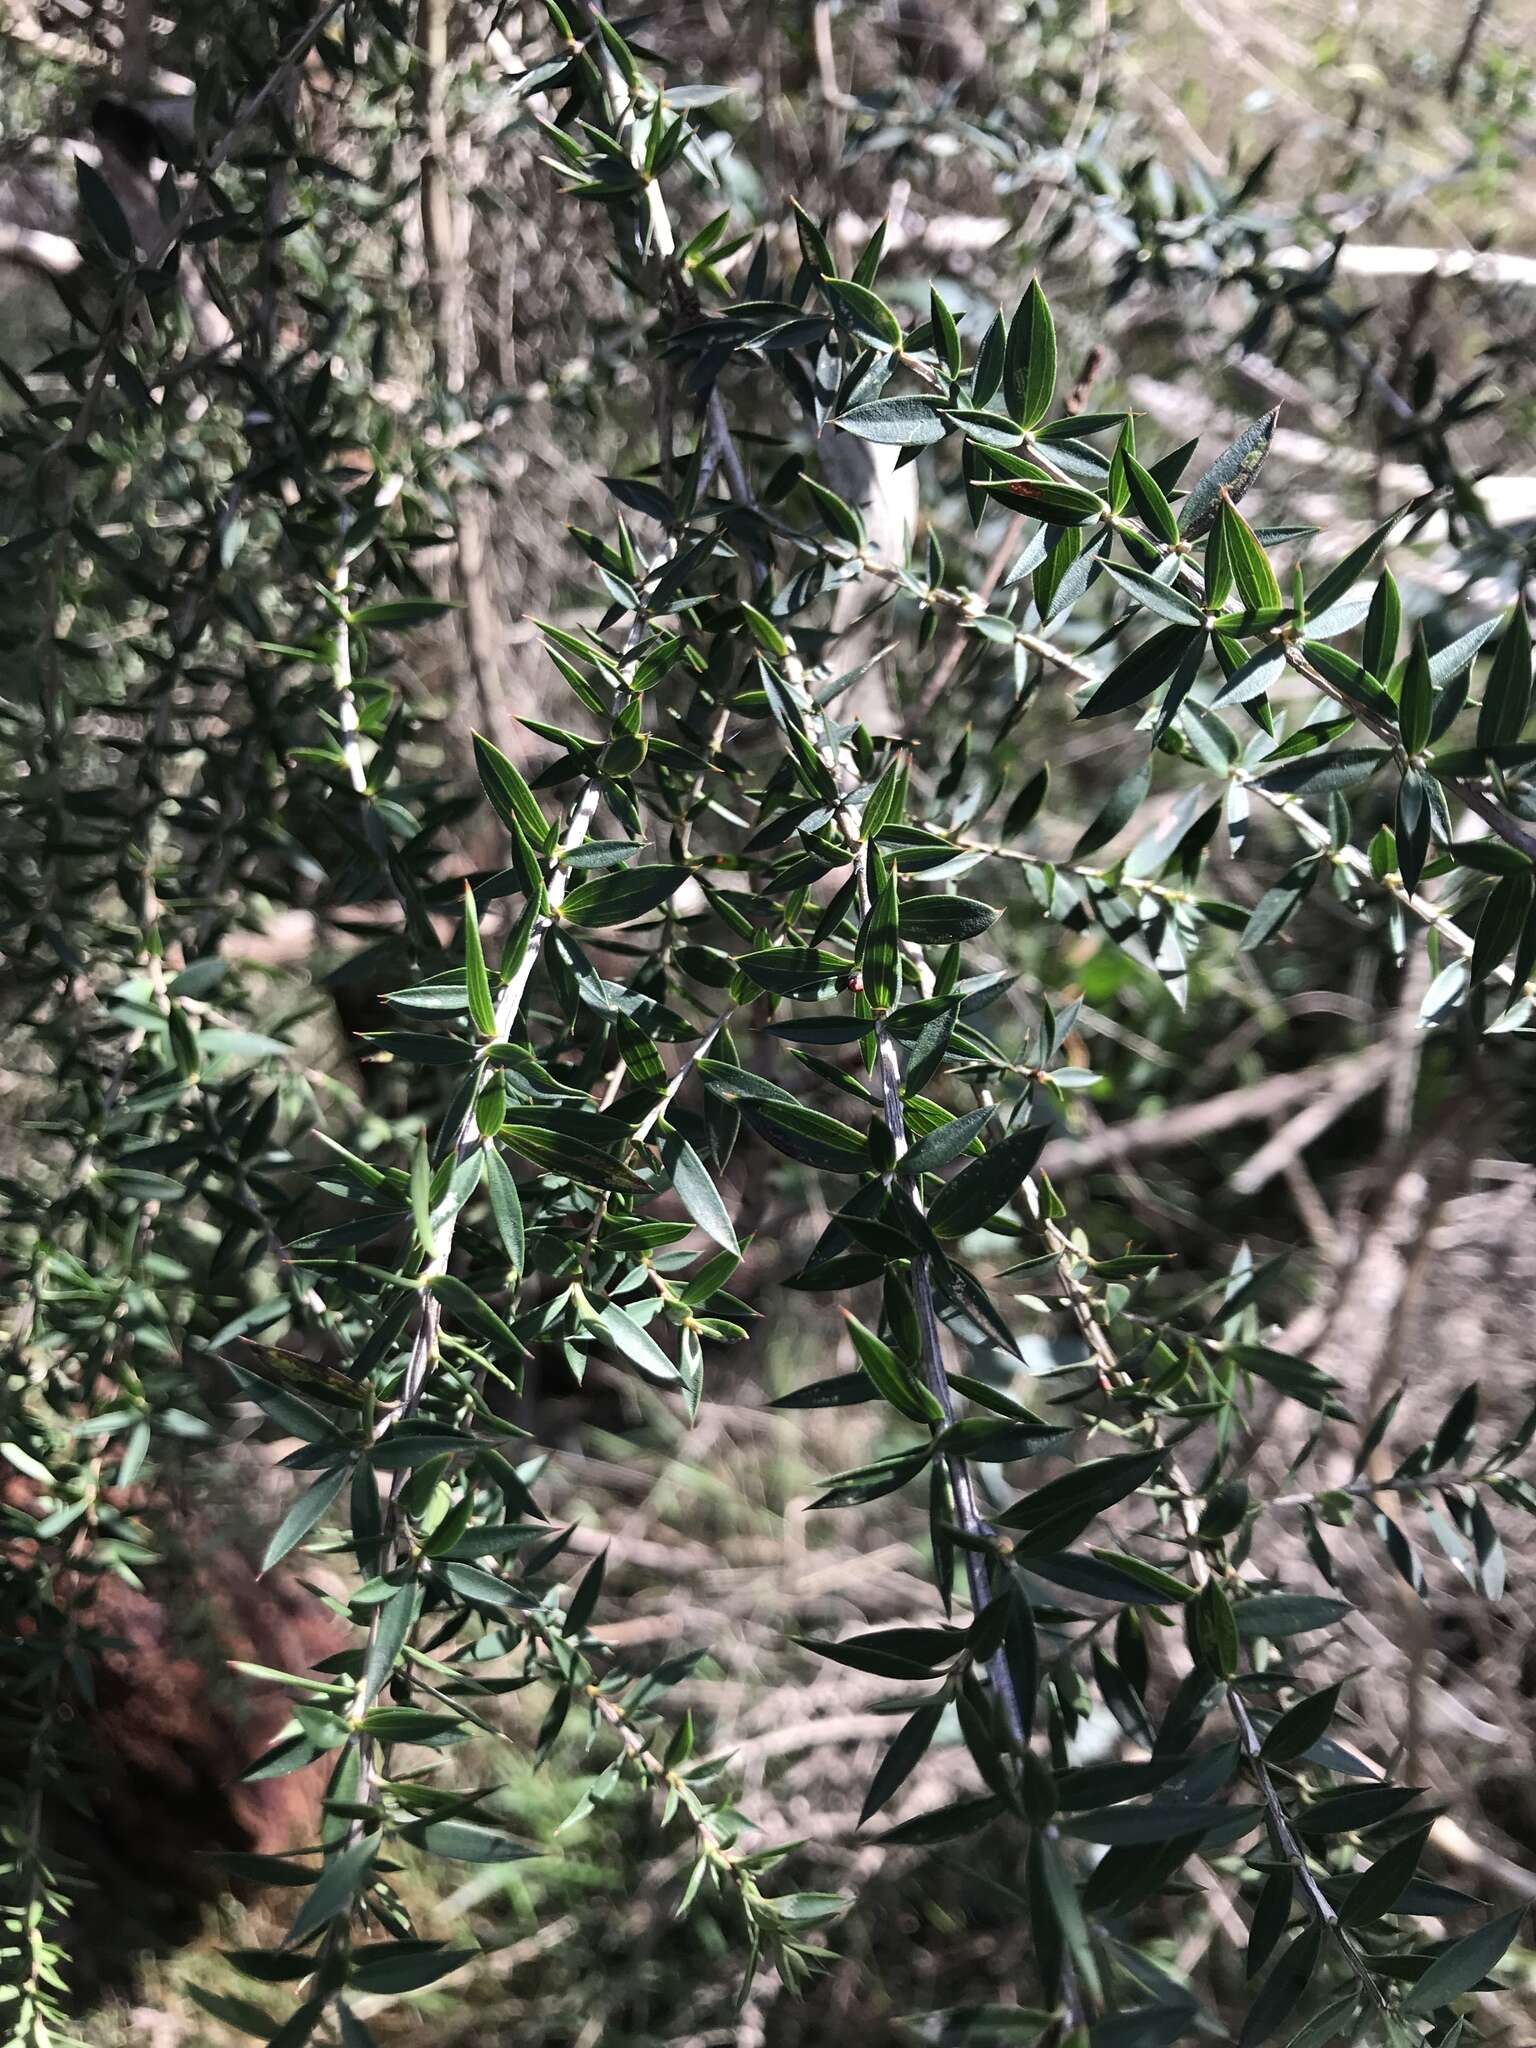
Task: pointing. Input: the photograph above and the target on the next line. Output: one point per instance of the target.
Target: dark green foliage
(759, 856)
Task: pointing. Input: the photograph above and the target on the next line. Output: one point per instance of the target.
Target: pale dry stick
(1343, 1089)
(346, 699)
(1316, 1217)
(833, 1731)
(1477, 15)
(444, 238)
(20, 23)
(1162, 892)
(1194, 1122)
(53, 255)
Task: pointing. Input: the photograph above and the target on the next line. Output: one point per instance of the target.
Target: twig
(1192, 1123)
(1342, 1089)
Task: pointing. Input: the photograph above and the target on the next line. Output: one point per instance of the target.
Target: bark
(445, 244)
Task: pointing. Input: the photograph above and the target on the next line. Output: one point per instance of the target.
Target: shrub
(721, 912)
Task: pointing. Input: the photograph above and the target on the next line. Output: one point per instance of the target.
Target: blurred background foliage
(1328, 209)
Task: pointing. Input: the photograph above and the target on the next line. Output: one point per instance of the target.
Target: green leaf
(897, 422)
(1383, 627)
(1162, 1820)
(944, 1824)
(975, 1195)
(863, 312)
(764, 631)
(478, 1588)
(1029, 360)
(622, 896)
(342, 1877)
(986, 429)
(1342, 768)
(510, 797)
(303, 1515)
(1341, 579)
(1507, 694)
(578, 1145)
(1044, 497)
(890, 1375)
(1416, 706)
(803, 972)
(1411, 828)
(806, 1135)
(944, 920)
(1161, 1585)
(1152, 507)
(1125, 800)
(403, 611)
(353, 2033)
(1300, 1726)
(1215, 1629)
(421, 1196)
(1250, 566)
(814, 247)
(1145, 669)
(948, 1141)
(988, 373)
(506, 1211)
(698, 1193)
(1232, 472)
(902, 1758)
(946, 336)
(392, 1967)
(387, 1638)
(1164, 599)
(1501, 923)
(1463, 1964)
(1083, 1494)
(1278, 1615)
(1450, 662)
(880, 949)
(872, 1482)
(467, 1841)
(104, 212)
(842, 1390)
(584, 1599)
(636, 1344)
(1271, 1916)
(477, 984)
(1283, 1988)
(1303, 1381)
(884, 802)
(900, 1653)
(1375, 1891)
